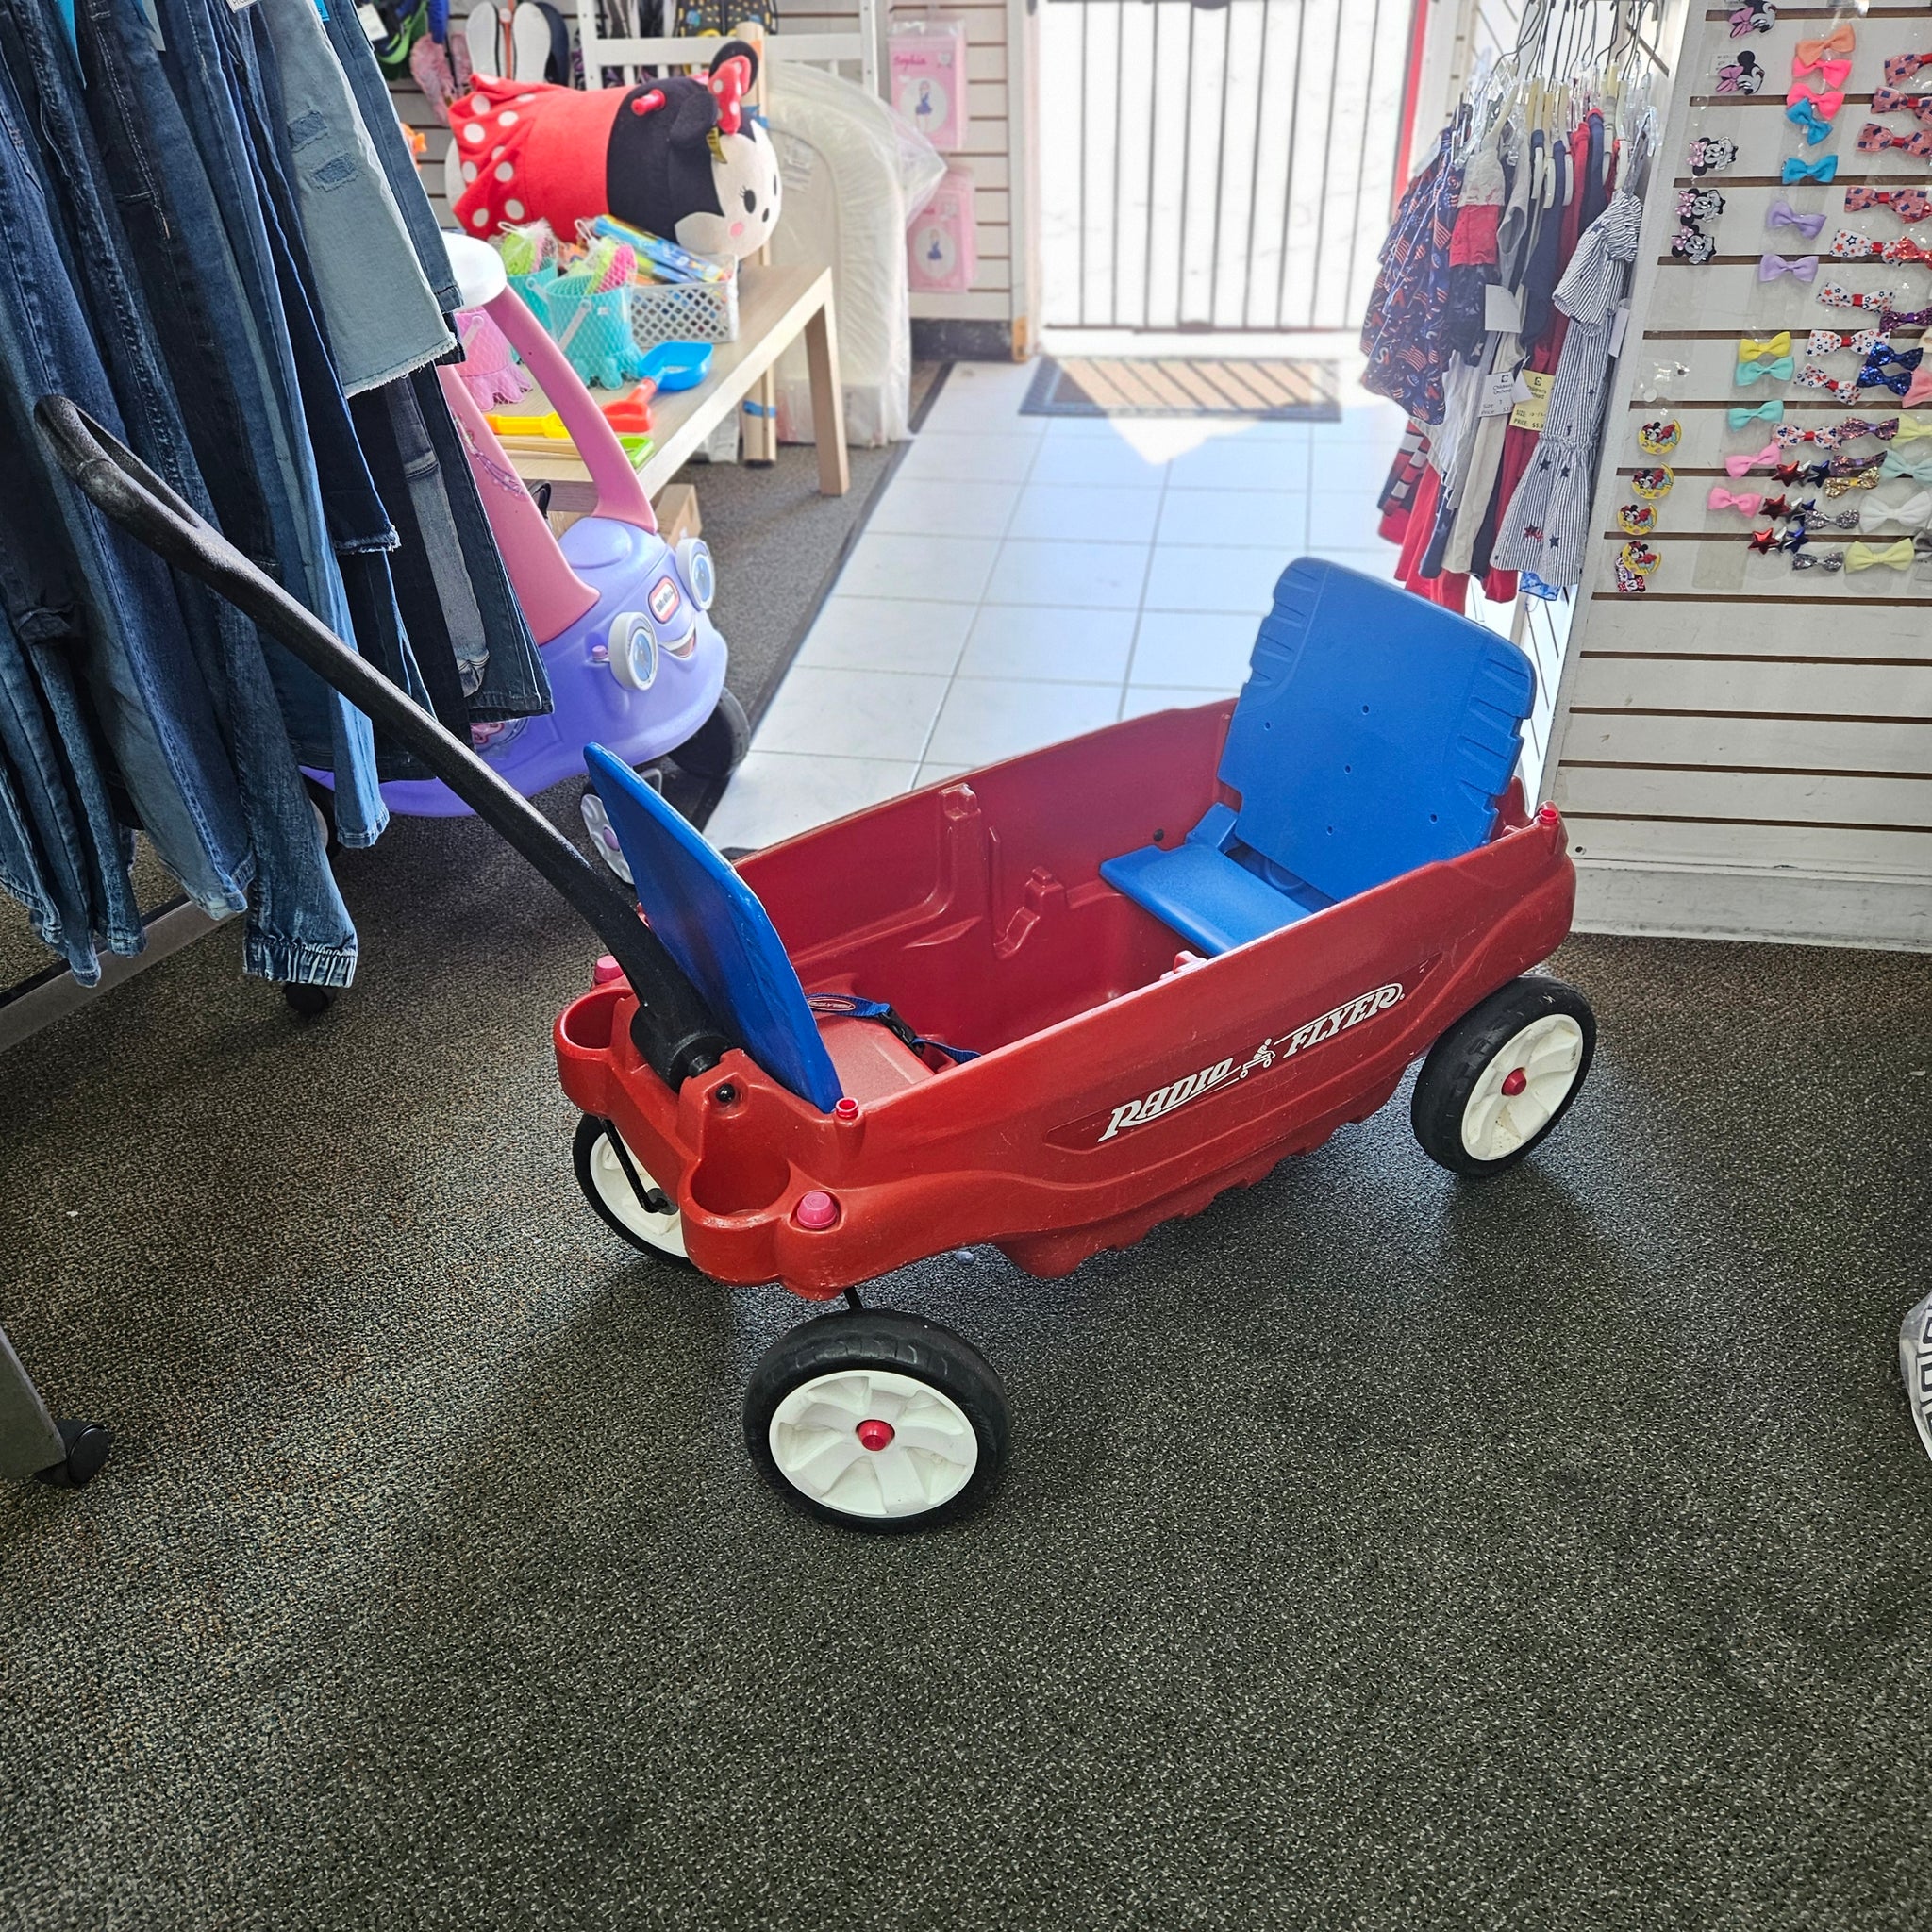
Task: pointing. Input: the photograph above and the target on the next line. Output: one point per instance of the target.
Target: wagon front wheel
(1496, 1084)
(628, 1201)
(876, 1420)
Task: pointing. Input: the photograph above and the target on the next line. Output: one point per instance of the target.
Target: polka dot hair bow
(1875, 138)
(1900, 68)
(1887, 100)
(1836, 295)
(729, 84)
(1781, 214)
(1910, 205)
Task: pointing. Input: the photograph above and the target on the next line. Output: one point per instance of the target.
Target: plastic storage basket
(683, 311)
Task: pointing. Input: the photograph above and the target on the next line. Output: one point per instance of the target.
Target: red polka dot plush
(677, 158)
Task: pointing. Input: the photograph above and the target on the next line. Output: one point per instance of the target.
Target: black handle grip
(673, 1030)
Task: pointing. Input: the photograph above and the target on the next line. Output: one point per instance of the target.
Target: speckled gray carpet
(1380, 1551)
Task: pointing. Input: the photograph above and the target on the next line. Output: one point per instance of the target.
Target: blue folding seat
(1374, 735)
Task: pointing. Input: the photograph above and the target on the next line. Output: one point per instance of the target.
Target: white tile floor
(1027, 577)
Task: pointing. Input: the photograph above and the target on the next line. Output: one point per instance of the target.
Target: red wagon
(1051, 1005)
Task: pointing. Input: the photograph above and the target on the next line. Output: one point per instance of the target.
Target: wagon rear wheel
(1496, 1084)
(628, 1201)
(879, 1420)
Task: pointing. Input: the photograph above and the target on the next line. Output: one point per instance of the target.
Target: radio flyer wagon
(1052, 1004)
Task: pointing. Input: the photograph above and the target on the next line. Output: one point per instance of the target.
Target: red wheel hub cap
(874, 1434)
(1515, 1082)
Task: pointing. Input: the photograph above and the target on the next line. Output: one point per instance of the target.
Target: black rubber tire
(311, 1002)
(582, 1147)
(1456, 1060)
(717, 747)
(906, 1346)
(88, 1447)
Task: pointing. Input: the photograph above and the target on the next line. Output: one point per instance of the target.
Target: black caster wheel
(879, 1420)
(717, 747)
(627, 1200)
(311, 1002)
(88, 1445)
(1501, 1078)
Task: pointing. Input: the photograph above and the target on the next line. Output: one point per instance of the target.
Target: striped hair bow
(1908, 204)
(1773, 411)
(1804, 115)
(1741, 465)
(1836, 295)
(1781, 214)
(1803, 268)
(1798, 169)
(1914, 513)
(1843, 39)
(1826, 341)
(1887, 100)
(1870, 555)
(1778, 370)
(1721, 498)
(1875, 138)
(1900, 68)
(1895, 465)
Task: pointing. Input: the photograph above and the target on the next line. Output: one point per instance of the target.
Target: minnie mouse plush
(680, 157)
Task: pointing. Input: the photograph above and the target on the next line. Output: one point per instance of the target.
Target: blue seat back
(1374, 733)
(713, 924)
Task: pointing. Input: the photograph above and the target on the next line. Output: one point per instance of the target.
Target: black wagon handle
(674, 1030)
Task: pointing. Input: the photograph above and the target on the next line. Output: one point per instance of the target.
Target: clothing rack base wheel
(33, 1443)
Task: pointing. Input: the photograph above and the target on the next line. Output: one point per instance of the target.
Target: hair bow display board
(1742, 747)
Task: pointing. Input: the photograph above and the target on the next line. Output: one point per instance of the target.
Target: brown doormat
(1282, 392)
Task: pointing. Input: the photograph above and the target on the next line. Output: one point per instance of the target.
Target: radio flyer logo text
(1163, 1100)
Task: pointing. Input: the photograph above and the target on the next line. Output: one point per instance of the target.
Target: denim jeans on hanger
(298, 926)
(378, 312)
(358, 59)
(137, 662)
(327, 730)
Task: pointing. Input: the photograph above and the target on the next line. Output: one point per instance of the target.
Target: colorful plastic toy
(1162, 956)
(633, 659)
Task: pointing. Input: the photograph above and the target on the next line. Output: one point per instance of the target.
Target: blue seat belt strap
(849, 1006)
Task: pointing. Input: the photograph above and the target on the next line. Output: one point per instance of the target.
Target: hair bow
(1850, 479)
(1750, 349)
(1895, 318)
(1788, 436)
(1816, 519)
(1781, 214)
(1869, 556)
(1849, 246)
(1747, 503)
(1812, 376)
(1914, 513)
(1910, 429)
(1843, 39)
(1827, 104)
(1900, 68)
(1832, 73)
(1802, 113)
(1920, 388)
(1815, 559)
(1889, 368)
(1778, 370)
(1908, 204)
(1887, 100)
(1773, 411)
(1906, 250)
(1803, 268)
(1836, 295)
(1826, 341)
(1798, 169)
(1741, 465)
(1895, 465)
(1875, 138)
(1884, 428)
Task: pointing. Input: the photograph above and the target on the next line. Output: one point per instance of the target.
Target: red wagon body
(1112, 1092)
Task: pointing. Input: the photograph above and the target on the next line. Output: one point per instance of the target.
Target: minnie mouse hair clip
(1692, 245)
(1652, 484)
(1637, 519)
(1702, 203)
(1751, 20)
(1711, 154)
(1659, 439)
(1740, 74)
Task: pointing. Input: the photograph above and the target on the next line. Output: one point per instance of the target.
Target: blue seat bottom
(1211, 899)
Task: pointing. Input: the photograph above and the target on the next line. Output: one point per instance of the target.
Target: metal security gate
(1222, 168)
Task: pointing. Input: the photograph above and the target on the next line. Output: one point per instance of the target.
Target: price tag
(1503, 309)
(1499, 393)
(1530, 414)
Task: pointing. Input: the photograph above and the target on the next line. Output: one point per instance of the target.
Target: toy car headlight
(633, 651)
(699, 573)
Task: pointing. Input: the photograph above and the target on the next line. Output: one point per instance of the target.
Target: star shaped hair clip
(1763, 542)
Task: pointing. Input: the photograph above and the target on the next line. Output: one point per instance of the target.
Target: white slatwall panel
(1766, 731)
